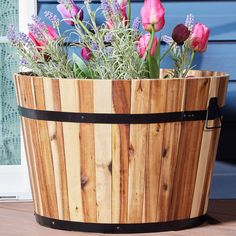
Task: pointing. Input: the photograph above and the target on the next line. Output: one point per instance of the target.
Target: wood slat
(72, 149)
(196, 97)
(174, 96)
(55, 131)
(102, 135)
(153, 161)
(121, 98)
(44, 160)
(87, 154)
(28, 129)
(140, 92)
(208, 138)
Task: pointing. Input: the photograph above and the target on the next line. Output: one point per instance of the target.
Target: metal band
(120, 228)
(103, 118)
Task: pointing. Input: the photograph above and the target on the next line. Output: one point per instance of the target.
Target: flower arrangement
(116, 49)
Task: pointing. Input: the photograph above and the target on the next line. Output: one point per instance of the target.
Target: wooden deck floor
(17, 219)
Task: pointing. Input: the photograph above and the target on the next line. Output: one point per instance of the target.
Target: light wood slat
(116, 185)
(138, 151)
(102, 134)
(157, 98)
(121, 98)
(44, 161)
(214, 144)
(31, 138)
(207, 139)
(72, 149)
(87, 153)
(52, 102)
(222, 90)
(196, 98)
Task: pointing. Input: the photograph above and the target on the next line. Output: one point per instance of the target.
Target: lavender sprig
(136, 23)
(167, 39)
(12, 35)
(108, 37)
(189, 21)
(106, 9)
(53, 18)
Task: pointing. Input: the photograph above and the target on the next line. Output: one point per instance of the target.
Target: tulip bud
(143, 44)
(70, 10)
(199, 38)
(152, 13)
(45, 35)
(86, 54)
(180, 33)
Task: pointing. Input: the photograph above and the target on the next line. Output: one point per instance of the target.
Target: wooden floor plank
(17, 219)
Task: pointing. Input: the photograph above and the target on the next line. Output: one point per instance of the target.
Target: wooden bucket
(121, 156)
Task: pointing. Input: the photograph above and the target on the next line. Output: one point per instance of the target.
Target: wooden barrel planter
(121, 156)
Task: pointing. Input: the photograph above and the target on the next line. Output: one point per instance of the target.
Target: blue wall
(220, 17)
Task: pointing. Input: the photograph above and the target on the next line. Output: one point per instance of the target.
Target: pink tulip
(199, 38)
(48, 34)
(143, 44)
(152, 13)
(70, 10)
(86, 54)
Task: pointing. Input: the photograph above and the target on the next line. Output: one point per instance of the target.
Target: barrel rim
(221, 75)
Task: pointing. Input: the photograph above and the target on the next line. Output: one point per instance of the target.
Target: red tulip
(48, 34)
(152, 13)
(199, 38)
(70, 11)
(86, 54)
(41, 41)
(143, 44)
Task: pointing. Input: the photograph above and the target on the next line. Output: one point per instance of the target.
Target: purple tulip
(86, 54)
(68, 9)
(180, 33)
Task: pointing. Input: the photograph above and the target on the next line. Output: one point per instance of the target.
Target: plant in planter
(114, 143)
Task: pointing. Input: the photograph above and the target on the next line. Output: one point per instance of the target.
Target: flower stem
(129, 11)
(167, 51)
(190, 64)
(151, 39)
(84, 27)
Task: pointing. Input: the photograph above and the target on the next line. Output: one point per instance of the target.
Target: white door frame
(14, 179)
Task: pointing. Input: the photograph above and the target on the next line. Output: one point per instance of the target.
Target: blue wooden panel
(220, 17)
(220, 56)
(229, 111)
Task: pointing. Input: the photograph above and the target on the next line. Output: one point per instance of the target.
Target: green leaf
(81, 66)
(154, 63)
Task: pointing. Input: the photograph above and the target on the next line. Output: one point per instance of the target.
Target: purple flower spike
(68, 9)
(108, 37)
(53, 18)
(11, 34)
(136, 23)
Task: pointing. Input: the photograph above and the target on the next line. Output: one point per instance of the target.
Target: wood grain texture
(174, 97)
(72, 149)
(55, 131)
(196, 98)
(87, 153)
(102, 135)
(44, 160)
(121, 104)
(140, 92)
(120, 173)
